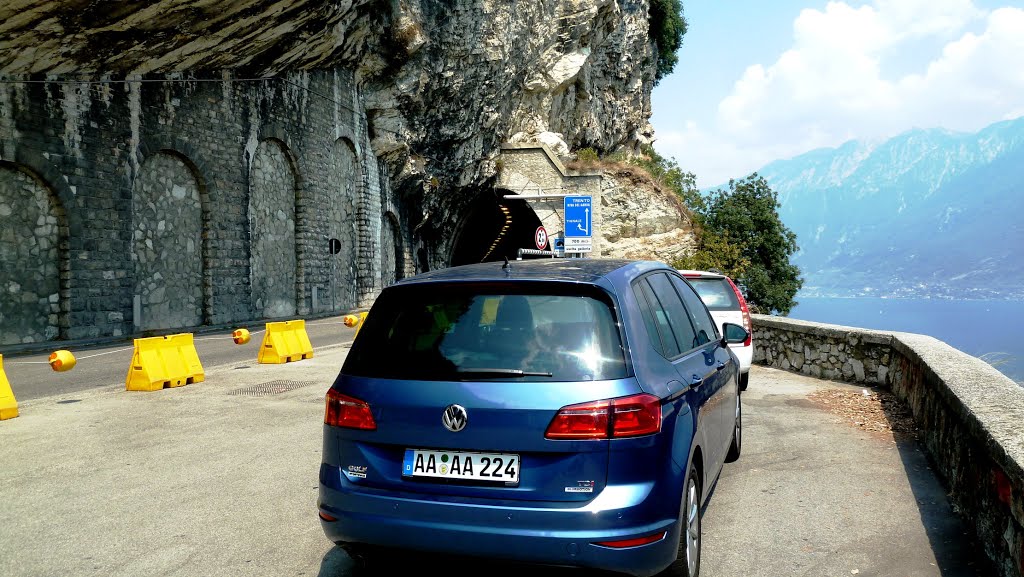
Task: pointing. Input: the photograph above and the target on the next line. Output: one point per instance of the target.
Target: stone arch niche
(167, 243)
(342, 222)
(33, 256)
(392, 250)
(273, 260)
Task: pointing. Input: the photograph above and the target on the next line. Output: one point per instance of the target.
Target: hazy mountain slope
(927, 213)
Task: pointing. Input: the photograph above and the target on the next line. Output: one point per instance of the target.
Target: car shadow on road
(381, 562)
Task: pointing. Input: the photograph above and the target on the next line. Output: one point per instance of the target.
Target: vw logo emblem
(454, 418)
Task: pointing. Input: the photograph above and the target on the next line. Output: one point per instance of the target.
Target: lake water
(984, 328)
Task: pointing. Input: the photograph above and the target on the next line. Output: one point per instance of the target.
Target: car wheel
(737, 434)
(744, 377)
(687, 563)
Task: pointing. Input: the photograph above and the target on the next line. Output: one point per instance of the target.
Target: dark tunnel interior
(494, 228)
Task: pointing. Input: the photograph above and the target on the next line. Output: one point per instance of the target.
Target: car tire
(744, 377)
(737, 433)
(687, 563)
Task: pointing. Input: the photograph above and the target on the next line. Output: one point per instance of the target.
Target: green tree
(746, 216)
(667, 27)
(714, 251)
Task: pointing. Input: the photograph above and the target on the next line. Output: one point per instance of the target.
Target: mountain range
(928, 213)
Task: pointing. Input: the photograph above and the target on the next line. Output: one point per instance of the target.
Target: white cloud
(926, 17)
(831, 86)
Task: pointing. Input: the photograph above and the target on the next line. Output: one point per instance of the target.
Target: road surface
(220, 478)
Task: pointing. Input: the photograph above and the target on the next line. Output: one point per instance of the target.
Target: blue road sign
(578, 221)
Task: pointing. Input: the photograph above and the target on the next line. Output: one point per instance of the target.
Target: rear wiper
(499, 373)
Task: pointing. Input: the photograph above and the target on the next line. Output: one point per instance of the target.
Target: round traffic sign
(540, 238)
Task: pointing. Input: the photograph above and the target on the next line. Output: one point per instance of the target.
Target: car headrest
(514, 312)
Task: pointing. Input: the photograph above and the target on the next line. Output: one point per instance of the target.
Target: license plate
(489, 467)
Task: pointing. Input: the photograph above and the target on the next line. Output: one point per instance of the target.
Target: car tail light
(608, 419)
(745, 310)
(349, 412)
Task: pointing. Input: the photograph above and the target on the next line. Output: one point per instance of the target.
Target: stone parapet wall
(823, 351)
(969, 415)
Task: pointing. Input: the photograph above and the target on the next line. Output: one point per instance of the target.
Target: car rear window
(464, 331)
(716, 293)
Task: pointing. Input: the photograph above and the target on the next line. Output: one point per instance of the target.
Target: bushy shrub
(587, 156)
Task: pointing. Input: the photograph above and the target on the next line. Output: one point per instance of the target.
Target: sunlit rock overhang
(140, 37)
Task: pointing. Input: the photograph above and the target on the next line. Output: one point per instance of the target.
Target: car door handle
(696, 381)
(721, 365)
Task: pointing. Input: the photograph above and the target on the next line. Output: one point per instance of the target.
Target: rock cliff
(169, 164)
(643, 220)
(470, 75)
(443, 83)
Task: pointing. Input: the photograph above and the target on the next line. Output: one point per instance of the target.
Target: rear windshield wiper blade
(500, 373)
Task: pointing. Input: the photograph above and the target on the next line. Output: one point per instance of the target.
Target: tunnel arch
(494, 228)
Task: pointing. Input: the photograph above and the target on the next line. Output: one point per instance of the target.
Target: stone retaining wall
(142, 205)
(970, 416)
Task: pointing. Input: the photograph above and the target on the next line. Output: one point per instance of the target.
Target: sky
(759, 81)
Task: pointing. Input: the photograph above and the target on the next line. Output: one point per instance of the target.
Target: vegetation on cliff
(667, 27)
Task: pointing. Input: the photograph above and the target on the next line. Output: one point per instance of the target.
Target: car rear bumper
(745, 355)
(517, 531)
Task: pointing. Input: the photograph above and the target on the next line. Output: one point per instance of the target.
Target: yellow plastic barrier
(354, 320)
(284, 342)
(8, 404)
(62, 361)
(169, 361)
(241, 336)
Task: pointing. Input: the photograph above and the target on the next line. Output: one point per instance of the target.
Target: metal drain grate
(271, 388)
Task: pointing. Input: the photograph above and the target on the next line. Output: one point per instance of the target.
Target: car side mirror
(733, 333)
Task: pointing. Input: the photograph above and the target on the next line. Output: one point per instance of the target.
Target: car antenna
(506, 267)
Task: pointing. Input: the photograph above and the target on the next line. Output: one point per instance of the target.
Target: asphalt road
(31, 376)
(220, 478)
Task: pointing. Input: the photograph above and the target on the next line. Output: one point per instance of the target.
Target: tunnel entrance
(494, 228)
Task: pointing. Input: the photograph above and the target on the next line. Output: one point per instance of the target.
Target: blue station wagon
(570, 412)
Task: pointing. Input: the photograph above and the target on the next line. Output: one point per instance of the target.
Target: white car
(727, 305)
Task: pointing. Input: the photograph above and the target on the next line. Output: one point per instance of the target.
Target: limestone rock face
(158, 36)
(479, 73)
(642, 221)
